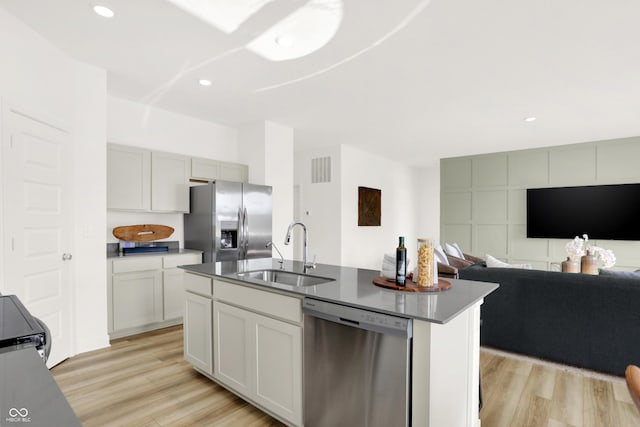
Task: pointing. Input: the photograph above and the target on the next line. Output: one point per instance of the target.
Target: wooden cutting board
(143, 233)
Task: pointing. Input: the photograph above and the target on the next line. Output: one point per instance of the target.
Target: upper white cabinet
(169, 182)
(210, 170)
(154, 181)
(128, 178)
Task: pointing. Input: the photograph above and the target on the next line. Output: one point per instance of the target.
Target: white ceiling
(413, 80)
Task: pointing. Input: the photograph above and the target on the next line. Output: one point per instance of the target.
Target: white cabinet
(138, 298)
(146, 292)
(205, 169)
(198, 335)
(234, 172)
(257, 355)
(169, 182)
(278, 364)
(210, 170)
(128, 178)
(142, 180)
(155, 181)
(173, 293)
(232, 343)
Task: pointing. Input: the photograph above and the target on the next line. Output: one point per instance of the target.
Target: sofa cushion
(496, 263)
(613, 273)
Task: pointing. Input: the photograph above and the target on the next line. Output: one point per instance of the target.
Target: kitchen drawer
(269, 303)
(172, 261)
(198, 284)
(141, 263)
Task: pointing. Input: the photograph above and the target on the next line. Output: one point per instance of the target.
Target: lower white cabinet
(138, 298)
(198, 336)
(249, 340)
(173, 293)
(259, 357)
(146, 292)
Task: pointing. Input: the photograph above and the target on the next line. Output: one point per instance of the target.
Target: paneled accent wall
(483, 197)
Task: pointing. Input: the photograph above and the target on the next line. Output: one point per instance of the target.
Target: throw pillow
(626, 274)
(496, 263)
(455, 245)
(439, 255)
(453, 251)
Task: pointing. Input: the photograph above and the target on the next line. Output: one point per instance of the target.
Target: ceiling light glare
(204, 82)
(103, 11)
(530, 119)
(284, 41)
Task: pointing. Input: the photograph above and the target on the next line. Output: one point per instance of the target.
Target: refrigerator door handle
(245, 221)
(240, 233)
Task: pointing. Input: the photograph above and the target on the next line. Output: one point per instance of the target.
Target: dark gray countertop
(29, 396)
(354, 287)
(166, 253)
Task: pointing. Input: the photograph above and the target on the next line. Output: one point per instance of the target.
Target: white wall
(89, 134)
(35, 73)
(140, 125)
(365, 246)
(320, 205)
(267, 148)
(279, 175)
(427, 201)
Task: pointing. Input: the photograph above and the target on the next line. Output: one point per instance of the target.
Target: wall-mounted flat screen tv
(610, 212)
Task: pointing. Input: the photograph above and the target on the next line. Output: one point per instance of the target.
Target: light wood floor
(144, 381)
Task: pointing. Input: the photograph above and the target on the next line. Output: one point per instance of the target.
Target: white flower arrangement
(579, 247)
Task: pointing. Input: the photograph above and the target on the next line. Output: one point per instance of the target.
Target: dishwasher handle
(358, 318)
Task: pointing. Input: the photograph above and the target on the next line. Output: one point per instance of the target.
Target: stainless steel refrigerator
(229, 221)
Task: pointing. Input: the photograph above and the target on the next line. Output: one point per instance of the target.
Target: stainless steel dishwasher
(357, 367)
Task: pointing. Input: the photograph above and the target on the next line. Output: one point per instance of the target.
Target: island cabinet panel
(279, 367)
(198, 332)
(233, 347)
(269, 303)
(257, 354)
(446, 371)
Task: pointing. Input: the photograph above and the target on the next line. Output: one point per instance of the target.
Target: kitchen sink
(285, 277)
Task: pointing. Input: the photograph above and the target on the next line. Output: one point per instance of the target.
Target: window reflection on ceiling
(303, 31)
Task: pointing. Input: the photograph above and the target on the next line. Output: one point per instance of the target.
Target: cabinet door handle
(66, 257)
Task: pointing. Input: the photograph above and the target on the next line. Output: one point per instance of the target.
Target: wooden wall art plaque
(369, 206)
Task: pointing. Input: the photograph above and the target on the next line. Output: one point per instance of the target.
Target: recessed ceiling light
(284, 41)
(103, 10)
(530, 119)
(204, 82)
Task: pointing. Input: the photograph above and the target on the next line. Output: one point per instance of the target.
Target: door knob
(66, 257)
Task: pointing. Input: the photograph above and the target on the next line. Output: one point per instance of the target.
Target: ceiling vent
(320, 170)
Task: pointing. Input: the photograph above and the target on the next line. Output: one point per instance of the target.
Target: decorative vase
(570, 266)
(588, 264)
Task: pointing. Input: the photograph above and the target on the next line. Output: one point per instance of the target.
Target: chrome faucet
(287, 239)
(270, 244)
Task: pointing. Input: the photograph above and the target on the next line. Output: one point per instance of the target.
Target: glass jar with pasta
(425, 263)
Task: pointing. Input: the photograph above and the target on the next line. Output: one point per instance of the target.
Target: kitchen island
(445, 344)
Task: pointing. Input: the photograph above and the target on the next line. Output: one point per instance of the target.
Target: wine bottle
(401, 263)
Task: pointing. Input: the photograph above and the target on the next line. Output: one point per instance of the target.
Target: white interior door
(37, 209)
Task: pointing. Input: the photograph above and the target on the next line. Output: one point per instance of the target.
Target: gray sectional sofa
(591, 322)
